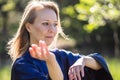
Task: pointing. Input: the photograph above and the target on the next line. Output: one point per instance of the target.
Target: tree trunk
(116, 40)
(5, 24)
(4, 35)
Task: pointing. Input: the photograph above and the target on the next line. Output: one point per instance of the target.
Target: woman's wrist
(51, 59)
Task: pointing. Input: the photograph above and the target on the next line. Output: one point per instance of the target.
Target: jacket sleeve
(104, 73)
(26, 71)
(90, 74)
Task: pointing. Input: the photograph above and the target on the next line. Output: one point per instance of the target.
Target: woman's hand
(41, 52)
(76, 71)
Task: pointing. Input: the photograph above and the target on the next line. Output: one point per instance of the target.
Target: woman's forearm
(54, 70)
(91, 63)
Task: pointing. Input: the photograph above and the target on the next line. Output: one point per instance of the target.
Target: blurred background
(92, 26)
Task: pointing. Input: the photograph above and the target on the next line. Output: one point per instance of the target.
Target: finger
(82, 72)
(71, 77)
(32, 52)
(45, 48)
(70, 74)
(41, 46)
(74, 73)
(36, 50)
(39, 55)
(78, 73)
(39, 49)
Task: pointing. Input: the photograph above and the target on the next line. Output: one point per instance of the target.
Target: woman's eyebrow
(49, 20)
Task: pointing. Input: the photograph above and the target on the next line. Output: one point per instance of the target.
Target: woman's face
(44, 26)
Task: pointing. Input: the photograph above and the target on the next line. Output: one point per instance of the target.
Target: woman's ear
(28, 26)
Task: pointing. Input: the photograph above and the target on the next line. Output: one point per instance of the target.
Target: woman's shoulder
(24, 59)
(64, 52)
(60, 51)
(21, 60)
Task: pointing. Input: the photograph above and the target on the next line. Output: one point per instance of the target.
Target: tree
(5, 7)
(92, 15)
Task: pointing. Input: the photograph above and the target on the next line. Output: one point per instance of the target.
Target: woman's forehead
(46, 14)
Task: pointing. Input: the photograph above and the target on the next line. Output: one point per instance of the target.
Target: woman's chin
(48, 44)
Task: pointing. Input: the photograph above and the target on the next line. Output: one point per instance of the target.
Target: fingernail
(33, 45)
(41, 41)
(82, 75)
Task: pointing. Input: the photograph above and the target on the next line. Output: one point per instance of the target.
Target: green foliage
(10, 5)
(88, 2)
(97, 12)
(83, 22)
(69, 10)
(90, 27)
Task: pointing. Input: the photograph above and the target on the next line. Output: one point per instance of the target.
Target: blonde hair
(21, 41)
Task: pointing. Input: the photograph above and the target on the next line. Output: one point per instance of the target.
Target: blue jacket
(28, 68)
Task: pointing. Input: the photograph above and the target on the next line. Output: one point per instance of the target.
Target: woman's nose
(52, 28)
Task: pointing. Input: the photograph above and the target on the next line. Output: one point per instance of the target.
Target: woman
(34, 60)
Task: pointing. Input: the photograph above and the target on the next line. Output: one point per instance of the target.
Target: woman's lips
(49, 37)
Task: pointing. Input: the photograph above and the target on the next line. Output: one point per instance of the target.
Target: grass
(113, 64)
(5, 73)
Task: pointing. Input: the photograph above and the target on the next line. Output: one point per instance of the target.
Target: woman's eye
(55, 25)
(45, 23)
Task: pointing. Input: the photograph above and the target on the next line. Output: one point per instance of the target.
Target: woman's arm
(54, 69)
(91, 63)
(41, 52)
(78, 67)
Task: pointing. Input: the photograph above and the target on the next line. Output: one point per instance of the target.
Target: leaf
(9, 6)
